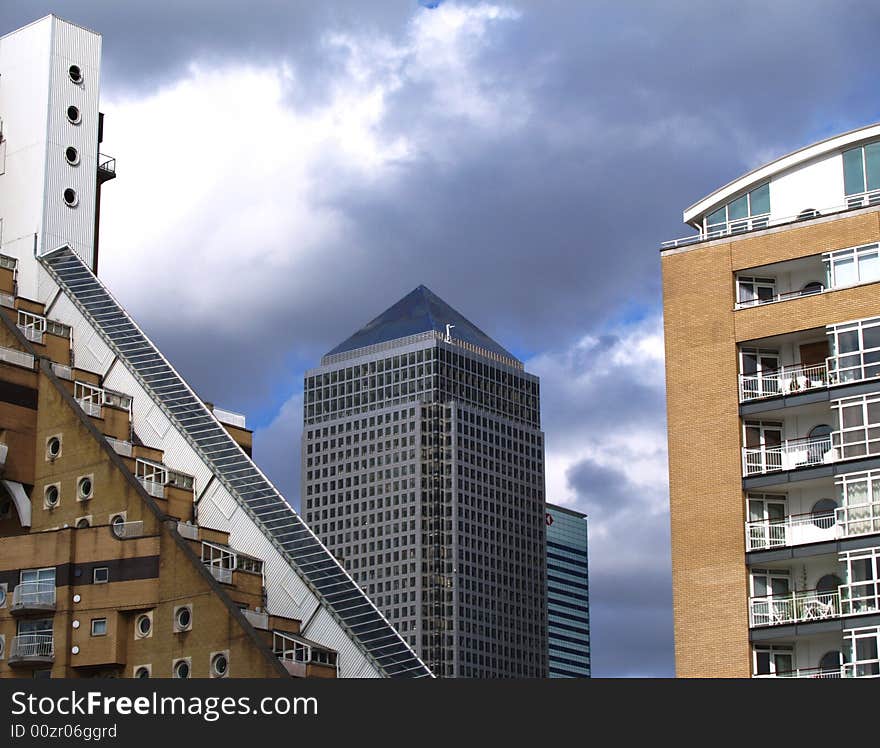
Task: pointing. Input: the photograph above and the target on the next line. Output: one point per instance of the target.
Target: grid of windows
(423, 472)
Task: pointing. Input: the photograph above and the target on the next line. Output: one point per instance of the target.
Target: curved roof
(780, 165)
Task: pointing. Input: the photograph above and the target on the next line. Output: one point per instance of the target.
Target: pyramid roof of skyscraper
(419, 311)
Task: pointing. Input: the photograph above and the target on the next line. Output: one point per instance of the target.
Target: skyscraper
(137, 536)
(568, 593)
(772, 322)
(423, 472)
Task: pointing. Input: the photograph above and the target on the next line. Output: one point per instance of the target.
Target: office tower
(772, 318)
(137, 537)
(568, 593)
(423, 472)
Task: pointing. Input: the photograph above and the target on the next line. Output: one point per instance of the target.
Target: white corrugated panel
(323, 628)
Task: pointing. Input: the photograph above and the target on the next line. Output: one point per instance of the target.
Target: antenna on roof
(449, 332)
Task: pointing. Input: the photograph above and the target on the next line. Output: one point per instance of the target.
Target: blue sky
(289, 170)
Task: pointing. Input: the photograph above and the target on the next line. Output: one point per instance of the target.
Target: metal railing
(134, 529)
(794, 529)
(780, 297)
(222, 575)
(791, 454)
(107, 163)
(119, 446)
(32, 325)
(230, 417)
(32, 645)
(757, 223)
(786, 380)
(796, 607)
(19, 358)
(807, 672)
(34, 595)
(62, 371)
(187, 530)
(257, 619)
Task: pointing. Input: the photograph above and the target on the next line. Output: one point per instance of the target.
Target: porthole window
(52, 496)
(823, 513)
(117, 525)
(3, 595)
(84, 488)
(82, 523)
(142, 672)
(73, 114)
(53, 447)
(75, 73)
(219, 665)
(183, 619)
(181, 669)
(144, 625)
(2, 647)
(70, 197)
(72, 155)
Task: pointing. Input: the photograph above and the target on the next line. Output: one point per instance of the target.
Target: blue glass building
(568, 593)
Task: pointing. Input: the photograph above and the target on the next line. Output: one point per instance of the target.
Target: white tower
(49, 180)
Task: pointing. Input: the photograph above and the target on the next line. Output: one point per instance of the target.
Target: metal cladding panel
(352, 663)
(355, 618)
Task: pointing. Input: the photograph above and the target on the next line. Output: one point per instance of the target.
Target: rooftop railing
(758, 223)
(791, 454)
(107, 163)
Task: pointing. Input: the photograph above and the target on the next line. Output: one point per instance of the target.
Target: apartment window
(99, 627)
(859, 434)
(848, 267)
(773, 660)
(861, 652)
(101, 575)
(737, 215)
(860, 499)
(861, 169)
(751, 290)
(855, 351)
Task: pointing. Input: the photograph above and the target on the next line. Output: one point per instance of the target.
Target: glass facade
(423, 473)
(568, 593)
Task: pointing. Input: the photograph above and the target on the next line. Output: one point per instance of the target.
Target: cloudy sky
(287, 170)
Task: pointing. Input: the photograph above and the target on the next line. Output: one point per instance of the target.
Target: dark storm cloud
(541, 226)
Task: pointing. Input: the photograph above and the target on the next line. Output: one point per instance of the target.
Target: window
(99, 627)
(181, 668)
(84, 488)
(861, 652)
(751, 291)
(53, 447)
(117, 525)
(861, 169)
(773, 660)
(142, 671)
(738, 215)
(859, 434)
(848, 267)
(71, 155)
(75, 73)
(70, 197)
(52, 496)
(73, 115)
(143, 626)
(183, 618)
(855, 351)
(101, 575)
(219, 665)
(83, 522)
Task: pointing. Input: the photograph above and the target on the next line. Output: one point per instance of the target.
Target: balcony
(92, 399)
(811, 672)
(32, 649)
(804, 606)
(220, 573)
(790, 455)
(33, 597)
(154, 477)
(802, 529)
(300, 656)
(106, 168)
(786, 380)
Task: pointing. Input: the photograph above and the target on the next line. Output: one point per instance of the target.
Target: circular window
(812, 287)
(75, 73)
(184, 618)
(53, 447)
(181, 669)
(82, 523)
(2, 646)
(828, 583)
(144, 625)
(823, 513)
(52, 496)
(70, 197)
(84, 488)
(117, 525)
(142, 672)
(73, 114)
(72, 155)
(830, 662)
(808, 213)
(219, 665)
(2, 596)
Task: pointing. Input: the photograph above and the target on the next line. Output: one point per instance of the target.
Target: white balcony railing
(791, 454)
(119, 446)
(19, 358)
(134, 529)
(808, 672)
(786, 380)
(224, 576)
(794, 529)
(26, 646)
(797, 607)
(780, 297)
(257, 619)
(34, 595)
(859, 598)
(800, 529)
